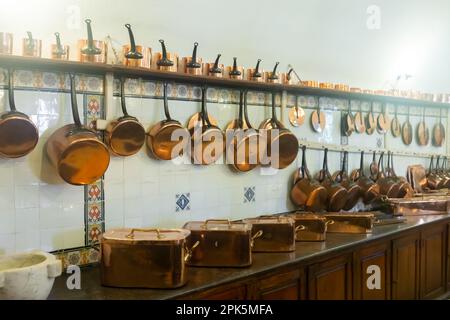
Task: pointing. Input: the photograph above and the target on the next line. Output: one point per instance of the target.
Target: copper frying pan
(318, 119)
(282, 144)
(389, 187)
(18, 134)
(423, 134)
(371, 122)
(395, 125)
(348, 122)
(360, 126)
(353, 190)
(296, 115)
(125, 136)
(438, 132)
(434, 181)
(207, 144)
(370, 190)
(167, 139)
(405, 189)
(407, 131)
(76, 151)
(383, 121)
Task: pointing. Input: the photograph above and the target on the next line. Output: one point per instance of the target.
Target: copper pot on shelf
(136, 55)
(59, 52)
(273, 76)
(310, 83)
(213, 69)
(165, 61)
(256, 74)
(6, 43)
(90, 50)
(31, 47)
(234, 71)
(191, 65)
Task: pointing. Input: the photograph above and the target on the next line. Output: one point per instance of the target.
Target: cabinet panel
(372, 272)
(331, 280)
(433, 262)
(237, 293)
(283, 286)
(405, 267)
(448, 257)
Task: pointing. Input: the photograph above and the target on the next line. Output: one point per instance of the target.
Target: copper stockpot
(144, 258)
(136, 55)
(18, 134)
(337, 194)
(31, 47)
(306, 192)
(191, 65)
(273, 233)
(354, 191)
(234, 71)
(273, 76)
(256, 74)
(90, 50)
(6, 43)
(282, 144)
(207, 139)
(213, 69)
(369, 189)
(59, 52)
(76, 151)
(345, 222)
(165, 61)
(163, 138)
(310, 227)
(125, 136)
(222, 243)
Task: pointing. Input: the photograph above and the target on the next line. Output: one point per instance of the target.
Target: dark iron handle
(193, 63)
(164, 61)
(12, 103)
(73, 98)
(59, 48)
(361, 165)
(303, 167)
(132, 54)
(257, 73)
(215, 68)
(30, 44)
(204, 113)
(166, 102)
(122, 97)
(273, 75)
(430, 168)
(246, 112)
(380, 164)
(90, 49)
(241, 110)
(235, 71)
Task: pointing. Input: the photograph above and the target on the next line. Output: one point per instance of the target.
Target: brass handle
(190, 251)
(300, 227)
(205, 225)
(267, 216)
(256, 236)
(329, 222)
(131, 234)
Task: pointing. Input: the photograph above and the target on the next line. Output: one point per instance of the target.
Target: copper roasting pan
(309, 226)
(420, 206)
(222, 243)
(273, 234)
(350, 222)
(144, 258)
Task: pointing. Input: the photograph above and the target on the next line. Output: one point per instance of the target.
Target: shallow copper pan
(420, 206)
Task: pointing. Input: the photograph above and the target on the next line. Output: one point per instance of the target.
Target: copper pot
(31, 47)
(165, 61)
(434, 180)
(282, 144)
(273, 76)
(125, 136)
(213, 69)
(256, 74)
(90, 50)
(354, 191)
(191, 65)
(405, 189)
(310, 227)
(136, 55)
(59, 52)
(234, 71)
(18, 134)
(369, 189)
(75, 151)
(389, 186)
(145, 258)
(6, 43)
(163, 138)
(345, 222)
(222, 243)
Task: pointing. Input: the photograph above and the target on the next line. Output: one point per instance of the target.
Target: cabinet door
(331, 279)
(236, 293)
(284, 286)
(448, 256)
(372, 274)
(405, 267)
(433, 256)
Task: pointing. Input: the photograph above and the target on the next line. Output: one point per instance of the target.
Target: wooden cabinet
(235, 293)
(284, 286)
(372, 272)
(331, 279)
(405, 267)
(448, 256)
(433, 256)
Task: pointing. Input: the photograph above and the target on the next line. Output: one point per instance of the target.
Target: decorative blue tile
(182, 202)
(249, 194)
(379, 142)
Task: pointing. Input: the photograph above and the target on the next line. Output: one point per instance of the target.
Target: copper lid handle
(158, 232)
(300, 227)
(221, 221)
(189, 252)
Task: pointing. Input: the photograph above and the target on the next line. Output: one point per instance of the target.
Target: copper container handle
(189, 252)
(132, 54)
(257, 73)
(205, 225)
(273, 75)
(215, 68)
(164, 61)
(235, 71)
(90, 49)
(329, 222)
(131, 234)
(300, 227)
(256, 236)
(59, 52)
(267, 216)
(193, 63)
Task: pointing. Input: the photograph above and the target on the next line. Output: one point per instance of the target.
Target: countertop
(205, 278)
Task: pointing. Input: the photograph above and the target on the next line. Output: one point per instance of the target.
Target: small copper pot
(255, 74)
(136, 55)
(165, 61)
(235, 71)
(192, 64)
(213, 69)
(59, 52)
(6, 43)
(31, 47)
(90, 50)
(273, 76)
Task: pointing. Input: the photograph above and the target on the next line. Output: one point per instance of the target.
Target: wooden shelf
(20, 62)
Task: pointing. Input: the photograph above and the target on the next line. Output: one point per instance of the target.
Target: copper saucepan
(389, 187)
(125, 136)
(18, 134)
(136, 55)
(91, 50)
(6, 43)
(405, 189)
(282, 144)
(370, 190)
(272, 76)
(192, 64)
(207, 140)
(337, 195)
(256, 74)
(165, 61)
(76, 151)
(59, 52)
(213, 69)
(235, 71)
(163, 138)
(31, 47)
(306, 192)
(354, 191)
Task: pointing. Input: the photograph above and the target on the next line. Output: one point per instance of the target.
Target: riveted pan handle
(59, 48)
(12, 103)
(90, 49)
(190, 251)
(193, 63)
(215, 68)
(132, 54)
(235, 71)
(164, 61)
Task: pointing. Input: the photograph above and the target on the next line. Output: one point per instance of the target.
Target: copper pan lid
(218, 225)
(146, 236)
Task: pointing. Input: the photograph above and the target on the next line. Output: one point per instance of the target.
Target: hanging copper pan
(369, 189)
(354, 191)
(348, 121)
(125, 136)
(434, 180)
(167, 139)
(389, 187)
(296, 115)
(383, 121)
(445, 173)
(76, 151)
(360, 126)
(407, 131)
(282, 144)
(371, 122)
(374, 167)
(423, 134)
(318, 119)
(405, 189)
(395, 125)
(243, 152)
(207, 140)
(18, 134)
(438, 132)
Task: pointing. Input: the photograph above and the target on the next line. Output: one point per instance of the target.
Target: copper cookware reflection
(167, 139)
(389, 187)
(207, 140)
(337, 194)
(31, 47)
(235, 71)
(213, 69)
(18, 134)
(75, 151)
(125, 136)
(296, 115)
(256, 74)
(282, 144)
(272, 76)
(90, 50)
(306, 192)
(6, 43)
(354, 191)
(136, 55)
(191, 65)
(369, 189)
(165, 61)
(59, 52)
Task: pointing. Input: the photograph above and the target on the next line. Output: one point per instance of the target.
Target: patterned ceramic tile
(94, 232)
(78, 256)
(182, 202)
(249, 194)
(212, 95)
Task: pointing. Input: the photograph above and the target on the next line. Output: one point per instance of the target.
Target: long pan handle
(12, 103)
(73, 98)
